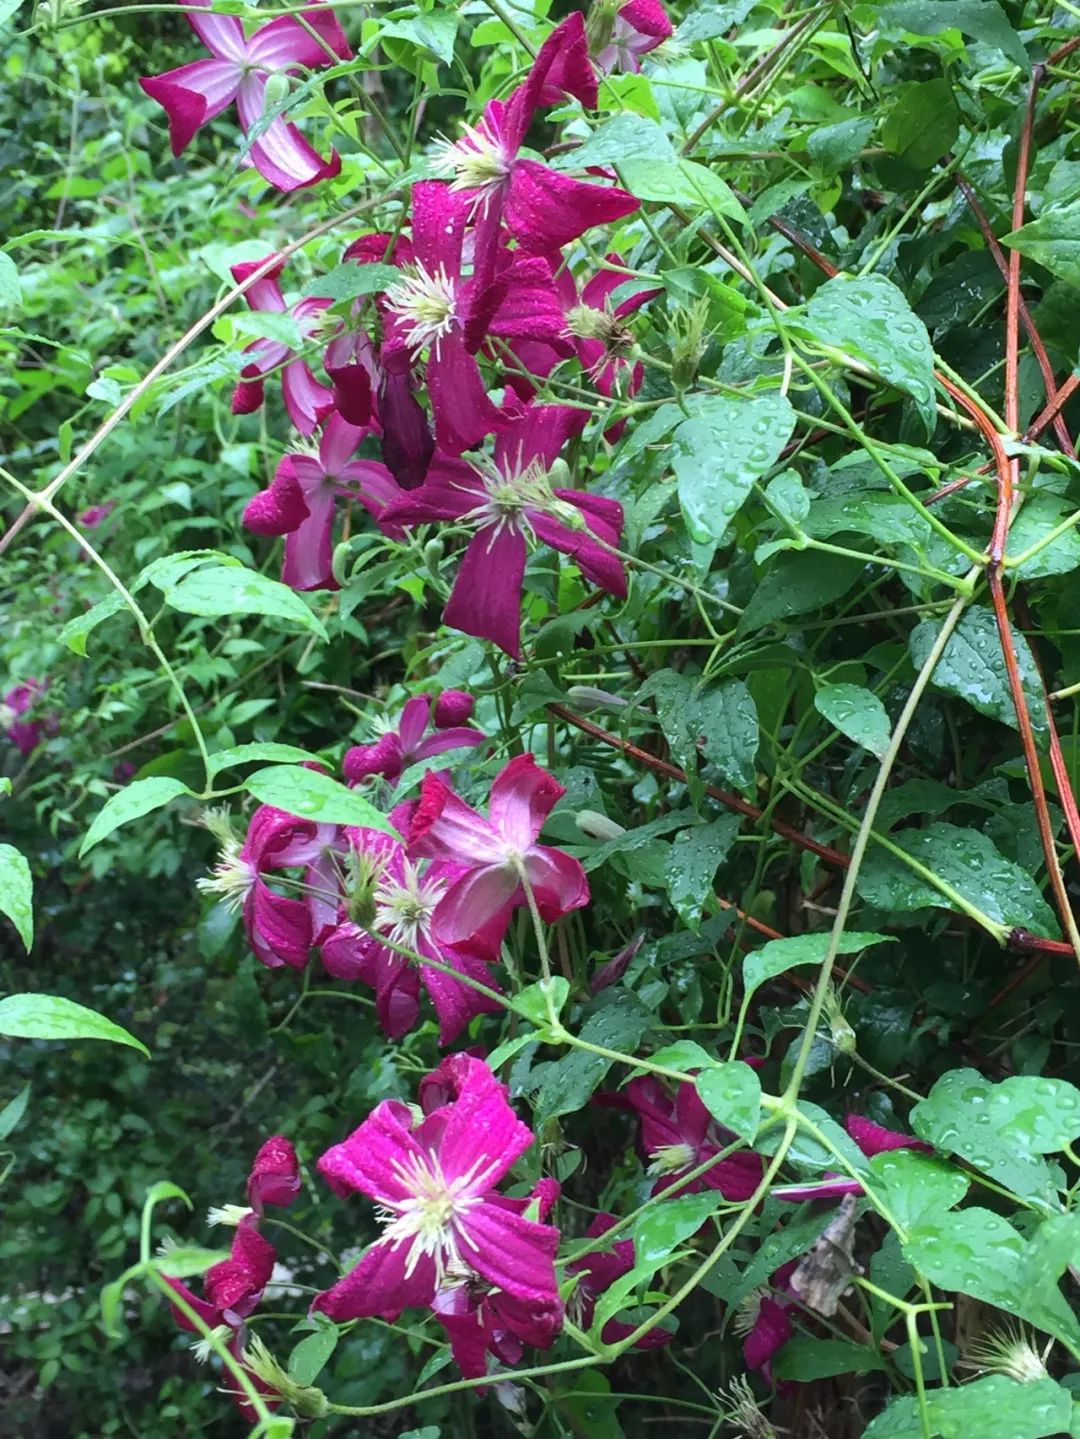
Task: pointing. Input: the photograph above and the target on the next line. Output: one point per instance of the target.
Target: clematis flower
(496, 855)
(239, 70)
(300, 501)
(678, 1133)
(636, 28)
(601, 337)
(872, 1139)
(480, 1320)
(280, 930)
(275, 1175)
(95, 515)
(540, 207)
(597, 1272)
(233, 1287)
(410, 742)
(434, 1179)
(506, 501)
(764, 1320)
(307, 400)
(433, 308)
(395, 898)
(24, 734)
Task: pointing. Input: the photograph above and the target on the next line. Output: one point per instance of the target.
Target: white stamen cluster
(403, 908)
(426, 304)
(428, 1220)
(232, 877)
(670, 1158)
(478, 162)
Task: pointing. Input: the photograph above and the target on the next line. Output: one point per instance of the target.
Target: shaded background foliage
(134, 249)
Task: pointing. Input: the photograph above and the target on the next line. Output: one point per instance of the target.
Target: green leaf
(969, 863)
(310, 795)
(857, 713)
(834, 147)
(991, 1408)
(693, 860)
(804, 1359)
(1001, 1129)
(795, 584)
(17, 892)
(1053, 240)
(10, 289)
(922, 124)
(732, 1095)
(721, 451)
(48, 1016)
(683, 182)
(972, 668)
(662, 1228)
(13, 1111)
(979, 1253)
(779, 955)
(312, 1354)
(916, 1185)
(869, 318)
(259, 750)
(683, 1055)
(75, 632)
(724, 719)
(1041, 513)
(885, 517)
(273, 325)
(350, 282)
(624, 137)
(235, 591)
(707, 22)
(543, 1002)
(618, 1022)
(434, 30)
(185, 1261)
(981, 19)
(132, 802)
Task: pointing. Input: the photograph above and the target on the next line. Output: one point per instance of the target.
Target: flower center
(670, 1158)
(232, 877)
(427, 1219)
(509, 496)
(426, 304)
(478, 161)
(403, 909)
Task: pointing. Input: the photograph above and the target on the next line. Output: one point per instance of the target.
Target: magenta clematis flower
(540, 207)
(280, 930)
(434, 308)
(599, 332)
(306, 399)
(872, 1139)
(496, 855)
(434, 1179)
(678, 1134)
(234, 1287)
(301, 499)
(764, 1321)
(638, 27)
(505, 502)
(95, 515)
(410, 743)
(480, 1320)
(239, 70)
(596, 1273)
(275, 1175)
(24, 734)
(395, 899)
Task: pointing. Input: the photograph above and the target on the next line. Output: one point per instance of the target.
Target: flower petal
(281, 508)
(379, 1286)
(370, 1160)
(486, 598)
(513, 1253)
(192, 95)
(522, 797)
(280, 154)
(558, 882)
(284, 43)
(546, 209)
(445, 827)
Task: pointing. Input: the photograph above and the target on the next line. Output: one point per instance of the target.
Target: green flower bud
(277, 90)
(597, 826)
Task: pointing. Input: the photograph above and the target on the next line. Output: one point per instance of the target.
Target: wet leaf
(721, 451)
(732, 1095)
(972, 667)
(914, 1185)
(991, 1408)
(139, 797)
(857, 713)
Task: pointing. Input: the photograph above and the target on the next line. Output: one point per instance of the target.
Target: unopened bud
(588, 697)
(453, 707)
(433, 553)
(597, 826)
(559, 476)
(309, 1402)
(276, 92)
(339, 562)
(841, 1034)
(689, 328)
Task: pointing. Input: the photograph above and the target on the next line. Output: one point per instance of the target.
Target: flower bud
(339, 562)
(309, 1402)
(433, 553)
(587, 698)
(277, 91)
(841, 1034)
(598, 826)
(689, 348)
(559, 476)
(453, 707)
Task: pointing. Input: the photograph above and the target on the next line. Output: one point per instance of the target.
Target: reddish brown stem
(1053, 408)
